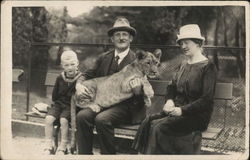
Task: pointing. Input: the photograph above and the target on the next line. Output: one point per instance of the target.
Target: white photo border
(6, 76)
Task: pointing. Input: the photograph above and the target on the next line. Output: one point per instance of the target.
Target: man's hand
(81, 90)
(169, 106)
(135, 84)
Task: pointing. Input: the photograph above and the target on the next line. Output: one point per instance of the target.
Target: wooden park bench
(16, 74)
(223, 93)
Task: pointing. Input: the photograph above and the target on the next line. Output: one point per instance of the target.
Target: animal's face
(149, 62)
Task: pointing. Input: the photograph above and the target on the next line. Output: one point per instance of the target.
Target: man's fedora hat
(121, 24)
(190, 31)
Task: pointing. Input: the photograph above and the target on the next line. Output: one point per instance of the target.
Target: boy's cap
(68, 55)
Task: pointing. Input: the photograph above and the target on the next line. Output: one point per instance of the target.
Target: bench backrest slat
(15, 74)
(159, 87)
(50, 79)
(224, 91)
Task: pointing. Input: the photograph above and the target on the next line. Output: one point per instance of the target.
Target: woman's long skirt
(171, 135)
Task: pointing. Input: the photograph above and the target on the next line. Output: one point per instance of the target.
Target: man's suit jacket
(101, 68)
(104, 61)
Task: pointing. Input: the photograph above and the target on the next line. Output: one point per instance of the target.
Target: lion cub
(109, 90)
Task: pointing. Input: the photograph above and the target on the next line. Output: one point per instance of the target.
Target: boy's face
(70, 67)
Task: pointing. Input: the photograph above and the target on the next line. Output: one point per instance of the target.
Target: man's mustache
(122, 41)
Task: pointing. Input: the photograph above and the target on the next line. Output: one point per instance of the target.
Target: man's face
(121, 40)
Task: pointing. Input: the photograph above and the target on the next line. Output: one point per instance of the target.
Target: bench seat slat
(211, 133)
(33, 114)
(131, 127)
(131, 133)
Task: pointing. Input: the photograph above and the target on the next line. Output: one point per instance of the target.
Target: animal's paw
(95, 107)
(148, 91)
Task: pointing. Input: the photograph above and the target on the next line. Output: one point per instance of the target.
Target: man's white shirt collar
(121, 55)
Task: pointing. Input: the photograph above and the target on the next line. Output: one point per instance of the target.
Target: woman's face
(189, 47)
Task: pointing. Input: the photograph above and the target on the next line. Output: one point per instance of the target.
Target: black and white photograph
(124, 80)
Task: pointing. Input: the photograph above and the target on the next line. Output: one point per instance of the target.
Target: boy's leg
(64, 133)
(53, 114)
(49, 120)
(64, 122)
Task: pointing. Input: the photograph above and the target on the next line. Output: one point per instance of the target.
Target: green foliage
(30, 25)
(21, 34)
(57, 25)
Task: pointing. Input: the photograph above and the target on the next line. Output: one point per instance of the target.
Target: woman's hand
(169, 106)
(176, 111)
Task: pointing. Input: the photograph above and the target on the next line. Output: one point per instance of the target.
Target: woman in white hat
(189, 102)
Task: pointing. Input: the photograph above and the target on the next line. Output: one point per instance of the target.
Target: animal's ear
(141, 54)
(157, 53)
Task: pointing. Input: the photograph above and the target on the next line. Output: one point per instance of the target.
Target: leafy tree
(30, 25)
(21, 35)
(39, 54)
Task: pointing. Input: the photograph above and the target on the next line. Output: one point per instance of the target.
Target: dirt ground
(29, 147)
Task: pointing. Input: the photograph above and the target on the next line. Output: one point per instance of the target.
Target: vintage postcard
(124, 80)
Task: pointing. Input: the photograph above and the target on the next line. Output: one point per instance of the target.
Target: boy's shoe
(73, 150)
(62, 151)
(49, 151)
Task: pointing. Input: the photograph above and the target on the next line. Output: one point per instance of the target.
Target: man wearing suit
(121, 35)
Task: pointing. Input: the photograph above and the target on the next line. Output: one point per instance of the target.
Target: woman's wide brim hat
(190, 31)
(121, 24)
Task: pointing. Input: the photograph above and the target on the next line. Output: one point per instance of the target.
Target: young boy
(63, 90)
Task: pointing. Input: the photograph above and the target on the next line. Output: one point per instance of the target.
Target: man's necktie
(117, 59)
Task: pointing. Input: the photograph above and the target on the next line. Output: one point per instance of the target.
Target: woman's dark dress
(192, 89)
